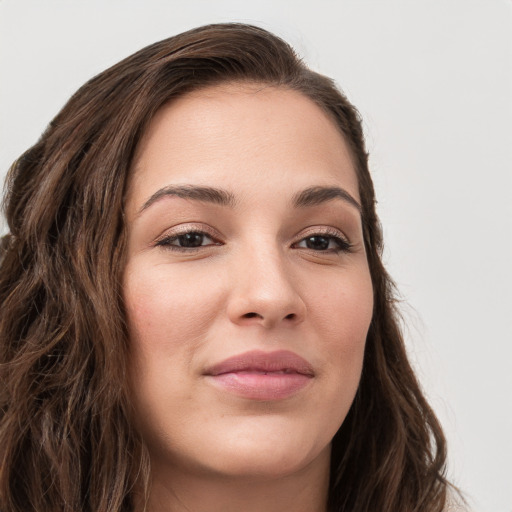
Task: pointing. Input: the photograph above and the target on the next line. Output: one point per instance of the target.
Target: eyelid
(323, 230)
(182, 229)
(344, 245)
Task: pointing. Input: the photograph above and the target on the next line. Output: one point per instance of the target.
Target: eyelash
(166, 241)
(343, 245)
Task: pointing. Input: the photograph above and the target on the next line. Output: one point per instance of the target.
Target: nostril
(290, 316)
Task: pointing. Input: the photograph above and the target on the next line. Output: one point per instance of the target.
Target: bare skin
(244, 237)
(301, 492)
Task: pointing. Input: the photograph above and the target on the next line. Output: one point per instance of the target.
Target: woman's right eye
(189, 240)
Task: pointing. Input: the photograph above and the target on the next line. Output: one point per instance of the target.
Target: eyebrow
(197, 193)
(317, 195)
(312, 196)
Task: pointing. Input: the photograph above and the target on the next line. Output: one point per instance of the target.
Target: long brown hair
(66, 439)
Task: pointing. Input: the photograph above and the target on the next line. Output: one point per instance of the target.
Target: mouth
(259, 375)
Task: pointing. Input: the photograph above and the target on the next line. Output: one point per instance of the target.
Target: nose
(264, 292)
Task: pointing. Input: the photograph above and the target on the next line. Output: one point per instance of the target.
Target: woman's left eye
(188, 240)
(324, 242)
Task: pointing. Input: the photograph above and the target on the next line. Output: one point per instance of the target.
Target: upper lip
(261, 361)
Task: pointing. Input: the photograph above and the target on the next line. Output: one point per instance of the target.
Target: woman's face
(246, 286)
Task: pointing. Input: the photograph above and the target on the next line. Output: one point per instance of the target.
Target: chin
(263, 463)
(264, 449)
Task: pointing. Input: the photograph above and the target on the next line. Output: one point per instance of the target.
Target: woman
(195, 315)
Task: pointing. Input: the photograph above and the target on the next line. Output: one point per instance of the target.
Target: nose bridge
(264, 290)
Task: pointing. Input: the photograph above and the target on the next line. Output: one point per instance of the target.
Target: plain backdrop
(433, 81)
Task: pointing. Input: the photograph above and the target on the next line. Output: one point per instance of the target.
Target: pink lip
(259, 375)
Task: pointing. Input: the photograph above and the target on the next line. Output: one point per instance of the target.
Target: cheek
(342, 310)
(168, 319)
(166, 310)
(341, 314)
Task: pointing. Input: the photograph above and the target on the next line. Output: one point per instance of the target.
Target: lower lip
(262, 386)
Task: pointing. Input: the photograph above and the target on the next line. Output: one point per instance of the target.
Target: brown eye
(187, 240)
(317, 243)
(190, 240)
(324, 243)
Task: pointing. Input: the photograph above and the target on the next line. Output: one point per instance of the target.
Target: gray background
(433, 81)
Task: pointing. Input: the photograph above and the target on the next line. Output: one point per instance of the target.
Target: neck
(302, 491)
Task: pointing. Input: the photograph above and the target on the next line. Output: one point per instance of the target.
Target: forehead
(236, 134)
